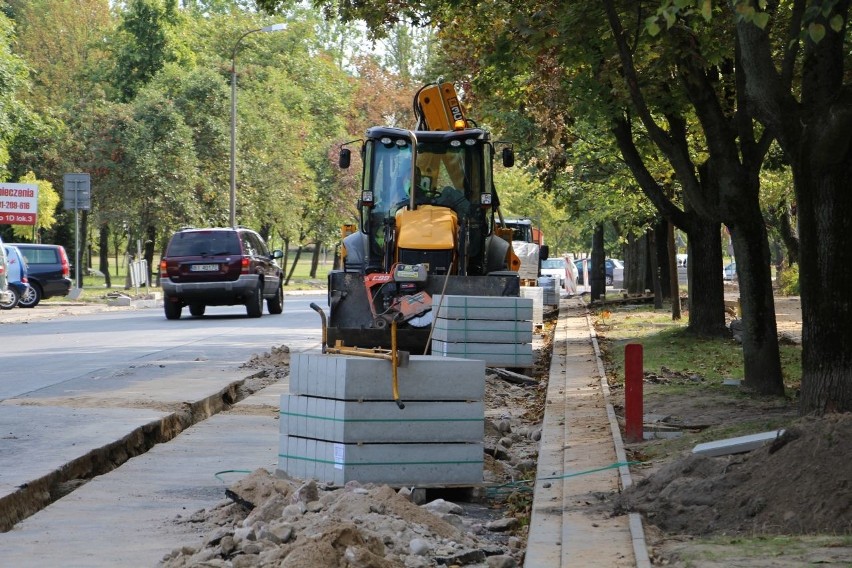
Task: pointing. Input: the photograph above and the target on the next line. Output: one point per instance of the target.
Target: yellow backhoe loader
(427, 220)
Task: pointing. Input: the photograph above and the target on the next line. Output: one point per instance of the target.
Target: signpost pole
(77, 187)
(76, 235)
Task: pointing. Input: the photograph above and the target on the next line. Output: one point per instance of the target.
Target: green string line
(216, 475)
(610, 466)
(521, 485)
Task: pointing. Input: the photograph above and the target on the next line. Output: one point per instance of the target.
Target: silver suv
(220, 267)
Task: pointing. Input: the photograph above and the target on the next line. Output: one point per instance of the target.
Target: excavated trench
(34, 496)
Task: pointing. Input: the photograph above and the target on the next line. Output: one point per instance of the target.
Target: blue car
(613, 270)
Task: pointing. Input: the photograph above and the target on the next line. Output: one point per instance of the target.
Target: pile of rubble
(268, 521)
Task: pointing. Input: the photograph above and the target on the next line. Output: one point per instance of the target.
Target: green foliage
(788, 280)
(13, 76)
(148, 38)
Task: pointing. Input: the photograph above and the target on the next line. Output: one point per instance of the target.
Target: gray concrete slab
(360, 378)
(483, 307)
(354, 422)
(483, 331)
(737, 445)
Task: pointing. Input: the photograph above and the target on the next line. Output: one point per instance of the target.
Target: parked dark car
(220, 267)
(47, 270)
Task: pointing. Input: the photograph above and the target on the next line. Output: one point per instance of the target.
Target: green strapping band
(333, 419)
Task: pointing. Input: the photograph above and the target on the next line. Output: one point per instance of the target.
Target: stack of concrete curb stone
(494, 329)
(340, 423)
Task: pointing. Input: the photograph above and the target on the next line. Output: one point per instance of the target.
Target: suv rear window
(204, 243)
(40, 255)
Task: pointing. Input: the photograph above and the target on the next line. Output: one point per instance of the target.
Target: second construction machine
(427, 210)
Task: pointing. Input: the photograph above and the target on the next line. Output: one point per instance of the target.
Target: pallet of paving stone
(339, 422)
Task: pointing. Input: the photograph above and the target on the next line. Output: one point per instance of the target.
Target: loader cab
(452, 175)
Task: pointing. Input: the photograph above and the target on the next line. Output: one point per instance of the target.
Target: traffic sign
(77, 191)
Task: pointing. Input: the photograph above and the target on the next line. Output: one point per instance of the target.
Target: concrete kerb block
(361, 422)
(359, 378)
(393, 464)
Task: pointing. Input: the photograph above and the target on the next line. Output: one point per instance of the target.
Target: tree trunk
(674, 281)
(596, 266)
(655, 270)
(148, 251)
(762, 362)
(704, 269)
(286, 260)
(825, 226)
(103, 254)
(788, 234)
(632, 265)
(661, 232)
(315, 259)
(293, 266)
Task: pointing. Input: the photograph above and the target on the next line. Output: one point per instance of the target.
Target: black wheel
(13, 300)
(275, 305)
(254, 304)
(172, 309)
(608, 280)
(197, 309)
(31, 297)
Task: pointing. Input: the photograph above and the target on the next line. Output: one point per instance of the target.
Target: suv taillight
(244, 265)
(63, 259)
(163, 269)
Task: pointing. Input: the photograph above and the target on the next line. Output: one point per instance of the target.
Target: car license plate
(204, 268)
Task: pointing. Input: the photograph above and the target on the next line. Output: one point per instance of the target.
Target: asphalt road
(54, 350)
(84, 387)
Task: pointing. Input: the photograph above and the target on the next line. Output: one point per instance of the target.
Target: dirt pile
(799, 484)
(293, 523)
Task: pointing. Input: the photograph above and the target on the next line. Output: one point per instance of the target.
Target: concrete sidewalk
(580, 455)
(130, 516)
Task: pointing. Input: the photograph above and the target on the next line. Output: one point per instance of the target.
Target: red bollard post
(633, 376)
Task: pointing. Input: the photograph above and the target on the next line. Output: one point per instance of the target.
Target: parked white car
(557, 268)
(5, 295)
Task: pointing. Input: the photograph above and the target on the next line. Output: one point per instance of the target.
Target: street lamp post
(233, 207)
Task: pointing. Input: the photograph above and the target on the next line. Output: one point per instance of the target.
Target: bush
(788, 280)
